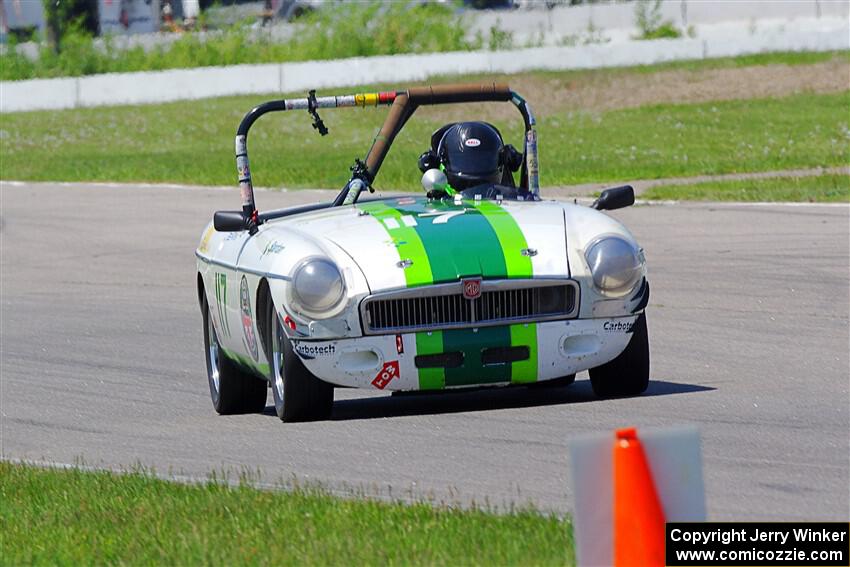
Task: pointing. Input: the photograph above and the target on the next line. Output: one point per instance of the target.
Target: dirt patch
(602, 90)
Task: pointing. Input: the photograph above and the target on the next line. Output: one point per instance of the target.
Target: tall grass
(75, 517)
(344, 30)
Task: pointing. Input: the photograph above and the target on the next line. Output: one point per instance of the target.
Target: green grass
(813, 189)
(192, 142)
(70, 517)
(346, 30)
(790, 58)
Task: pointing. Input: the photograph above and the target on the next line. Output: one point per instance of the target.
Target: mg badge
(472, 288)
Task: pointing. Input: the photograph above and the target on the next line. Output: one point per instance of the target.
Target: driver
(471, 154)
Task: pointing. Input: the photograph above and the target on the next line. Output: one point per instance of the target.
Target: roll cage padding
(405, 104)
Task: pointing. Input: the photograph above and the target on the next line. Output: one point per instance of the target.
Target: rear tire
(232, 390)
(298, 395)
(628, 374)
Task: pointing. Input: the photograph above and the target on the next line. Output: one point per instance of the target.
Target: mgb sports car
(477, 281)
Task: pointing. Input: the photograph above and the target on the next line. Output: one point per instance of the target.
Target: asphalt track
(102, 362)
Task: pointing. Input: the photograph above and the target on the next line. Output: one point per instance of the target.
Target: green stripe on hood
(510, 237)
(406, 240)
(456, 240)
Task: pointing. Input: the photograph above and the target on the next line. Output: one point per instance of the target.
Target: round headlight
(615, 263)
(317, 285)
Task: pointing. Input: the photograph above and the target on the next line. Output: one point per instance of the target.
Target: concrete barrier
(187, 84)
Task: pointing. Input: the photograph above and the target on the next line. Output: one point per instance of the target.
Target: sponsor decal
(472, 288)
(472, 143)
(221, 301)
(385, 376)
(618, 326)
(232, 236)
(310, 351)
(399, 344)
(406, 201)
(241, 145)
(243, 168)
(205, 239)
(246, 192)
(273, 247)
(248, 337)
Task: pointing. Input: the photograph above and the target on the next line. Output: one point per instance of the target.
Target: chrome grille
(443, 306)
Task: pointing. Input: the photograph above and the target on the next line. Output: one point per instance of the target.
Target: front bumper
(513, 354)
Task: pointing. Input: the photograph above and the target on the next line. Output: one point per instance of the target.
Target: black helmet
(471, 153)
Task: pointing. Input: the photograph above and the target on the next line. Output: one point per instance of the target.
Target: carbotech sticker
(385, 376)
(617, 326)
(309, 351)
(247, 321)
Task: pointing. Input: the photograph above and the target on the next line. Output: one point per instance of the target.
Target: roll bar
(403, 105)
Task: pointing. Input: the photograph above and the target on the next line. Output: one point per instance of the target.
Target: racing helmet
(471, 153)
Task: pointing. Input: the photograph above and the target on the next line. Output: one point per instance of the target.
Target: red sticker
(387, 373)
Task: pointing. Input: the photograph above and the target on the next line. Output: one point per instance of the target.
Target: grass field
(812, 189)
(54, 516)
(589, 130)
(191, 142)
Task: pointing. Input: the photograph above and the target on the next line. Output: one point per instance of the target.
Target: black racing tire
(628, 374)
(298, 395)
(232, 390)
(561, 382)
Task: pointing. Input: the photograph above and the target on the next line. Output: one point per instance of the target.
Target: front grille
(444, 306)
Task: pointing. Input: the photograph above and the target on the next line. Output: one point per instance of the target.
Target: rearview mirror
(615, 198)
(229, 221)
(434, 179)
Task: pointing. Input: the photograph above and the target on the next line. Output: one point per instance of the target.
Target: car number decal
(221, 301)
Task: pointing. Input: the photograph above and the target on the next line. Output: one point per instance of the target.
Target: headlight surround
(616, 264)
(317, 287)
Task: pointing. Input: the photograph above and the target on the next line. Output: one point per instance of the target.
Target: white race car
(477, 283)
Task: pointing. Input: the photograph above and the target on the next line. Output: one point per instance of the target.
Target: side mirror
(434, 179)
(229, 221)
(615, 198)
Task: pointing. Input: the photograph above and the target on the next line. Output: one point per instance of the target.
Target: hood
(411, 241)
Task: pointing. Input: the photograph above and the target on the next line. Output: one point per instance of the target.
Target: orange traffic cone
(638, 516)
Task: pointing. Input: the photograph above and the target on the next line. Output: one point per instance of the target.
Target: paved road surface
(102, 360)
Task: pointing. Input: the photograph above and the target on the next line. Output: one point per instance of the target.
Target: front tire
(232, 390)
(298, 395)
(628, 374)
